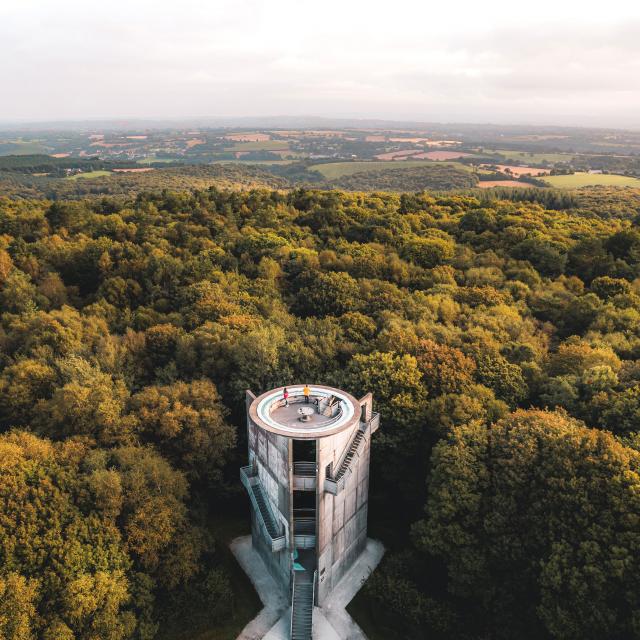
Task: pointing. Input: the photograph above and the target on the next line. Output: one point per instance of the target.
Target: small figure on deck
(285, 395)
(306, 391)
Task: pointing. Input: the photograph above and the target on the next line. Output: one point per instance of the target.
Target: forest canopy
(500, 339)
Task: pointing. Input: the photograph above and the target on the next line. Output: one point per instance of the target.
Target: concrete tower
(308, 480)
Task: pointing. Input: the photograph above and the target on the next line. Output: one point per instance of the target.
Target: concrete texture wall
(342, 519)
(269, 454)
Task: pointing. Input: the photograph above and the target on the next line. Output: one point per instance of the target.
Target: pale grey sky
(543, 62)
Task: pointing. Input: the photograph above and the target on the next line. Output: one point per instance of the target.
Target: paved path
(274, 600)
(342, 594)
(331, 622)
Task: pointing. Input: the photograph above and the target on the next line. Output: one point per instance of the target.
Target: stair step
(264, 511)
(302, 609)
(348, 459)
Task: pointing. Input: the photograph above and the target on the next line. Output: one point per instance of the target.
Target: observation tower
(308, 481)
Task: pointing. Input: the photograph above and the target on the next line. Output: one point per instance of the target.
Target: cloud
(573, 61)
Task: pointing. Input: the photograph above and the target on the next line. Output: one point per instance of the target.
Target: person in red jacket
(285, 395)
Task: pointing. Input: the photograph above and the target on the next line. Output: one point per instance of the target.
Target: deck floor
(289, 416)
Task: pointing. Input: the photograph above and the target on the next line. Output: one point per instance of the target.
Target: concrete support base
(330, 622)
(271, 594)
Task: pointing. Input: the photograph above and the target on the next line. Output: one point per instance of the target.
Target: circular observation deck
(328, 412)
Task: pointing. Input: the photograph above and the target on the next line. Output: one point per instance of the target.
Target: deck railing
(314, 401)
(374, 423)
(304, 542)
(304, 528)
(305, 476)
(334, 486)
(306, 469)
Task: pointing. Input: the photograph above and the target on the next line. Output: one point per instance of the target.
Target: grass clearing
(334, 170)
(577, 180)
(89, 174)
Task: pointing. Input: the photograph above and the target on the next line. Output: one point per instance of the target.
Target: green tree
(444, 369)
(49, 530)
(534, 519)
(332, 293)
(606, 287)
(89, 402)
(505, 378)
(22, 386)
(186, 422)
(18, 616)
(396, 384)
(429, 252)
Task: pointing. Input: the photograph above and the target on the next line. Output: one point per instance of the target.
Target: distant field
(489, 184)
(19, 148)
(248, 137)
(578, 180)
(262, 145)
(334, 170)
(521, 171)
(444, 155)
(89, 174)
(525, 156)
(417, 154)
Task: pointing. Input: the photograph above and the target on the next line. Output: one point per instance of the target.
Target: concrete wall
(342, 519)
(269, 453)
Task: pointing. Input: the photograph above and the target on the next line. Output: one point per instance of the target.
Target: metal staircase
(273, 531)
(302, 607)
(265, 511)
(334, 482)
(355, 443)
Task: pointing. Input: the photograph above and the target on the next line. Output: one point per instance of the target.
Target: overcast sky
(543, 62)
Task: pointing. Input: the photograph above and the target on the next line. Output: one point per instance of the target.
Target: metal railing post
(293, 595)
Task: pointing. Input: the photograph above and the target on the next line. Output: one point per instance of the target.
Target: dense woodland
(18, 179)
(433, 177)
(17, 184)
(501, 342)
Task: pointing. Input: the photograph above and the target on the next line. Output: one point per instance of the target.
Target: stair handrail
(362, 435)
(313, 594)
(335, 476)
(250, 481)
(293, 595)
